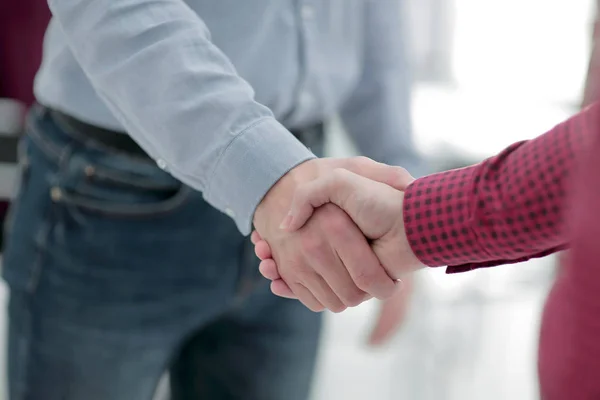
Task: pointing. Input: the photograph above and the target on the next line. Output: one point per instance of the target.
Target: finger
(255, 237)
(356, 254)
(281, 289)
(324, 294)
(341, 187)
(391, 316)
(329, 281)
(394, 176)
(263, 250)
(268, 269)
(336, 276)
(308, 197)
(305, 296)
(335, 188)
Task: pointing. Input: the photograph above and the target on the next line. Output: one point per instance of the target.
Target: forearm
(506, 209)
(153, 63)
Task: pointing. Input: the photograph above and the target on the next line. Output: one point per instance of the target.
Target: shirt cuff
(441, 228)
(437, 221)
(254, 161)
(453, 269)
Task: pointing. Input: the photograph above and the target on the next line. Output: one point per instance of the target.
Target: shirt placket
(307, 99)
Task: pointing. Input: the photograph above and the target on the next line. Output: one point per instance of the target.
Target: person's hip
(86, 216)
(112, 214)
(102, 242)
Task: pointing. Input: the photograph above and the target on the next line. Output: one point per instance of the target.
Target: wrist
(393, 248)
(276, 203)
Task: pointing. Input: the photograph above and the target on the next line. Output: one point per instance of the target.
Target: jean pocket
(116, 185)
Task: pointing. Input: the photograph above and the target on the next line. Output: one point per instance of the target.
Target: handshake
(331, 233)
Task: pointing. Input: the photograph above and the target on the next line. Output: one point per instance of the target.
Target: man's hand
(327, 262)
(377, 209)
(374, 206)
(392, 311)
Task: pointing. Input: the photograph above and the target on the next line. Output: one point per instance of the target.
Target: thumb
(335, 188)
(339, 185)
(394, 176)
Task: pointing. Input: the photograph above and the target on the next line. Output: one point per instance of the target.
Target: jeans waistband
(113, 139)
(122, 142)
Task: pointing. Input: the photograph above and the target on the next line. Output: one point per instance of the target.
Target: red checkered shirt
(534, 198)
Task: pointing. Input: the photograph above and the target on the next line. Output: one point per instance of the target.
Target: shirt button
(89, 171)
(56, 194)
(230, 212)
(308, 12)
(161, 164)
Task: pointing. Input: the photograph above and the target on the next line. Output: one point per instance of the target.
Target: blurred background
(486, 74)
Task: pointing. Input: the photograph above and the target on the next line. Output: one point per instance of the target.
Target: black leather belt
(106, 137)
(122, 142)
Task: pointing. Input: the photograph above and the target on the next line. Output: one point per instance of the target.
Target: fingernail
(286, 222)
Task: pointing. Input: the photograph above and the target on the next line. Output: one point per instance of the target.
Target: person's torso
(303, 58)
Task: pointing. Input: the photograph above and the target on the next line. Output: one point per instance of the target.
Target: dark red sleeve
(506, 209)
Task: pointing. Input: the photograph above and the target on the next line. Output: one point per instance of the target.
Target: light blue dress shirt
(209, 88)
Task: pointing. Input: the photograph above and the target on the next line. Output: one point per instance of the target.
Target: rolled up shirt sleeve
(154, 65)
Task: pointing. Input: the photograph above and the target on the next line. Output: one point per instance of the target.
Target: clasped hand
(342, 239)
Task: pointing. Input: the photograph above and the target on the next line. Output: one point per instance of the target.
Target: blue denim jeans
(119, 273)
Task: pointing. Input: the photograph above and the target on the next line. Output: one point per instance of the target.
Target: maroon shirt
(22, 27)
(534, 198)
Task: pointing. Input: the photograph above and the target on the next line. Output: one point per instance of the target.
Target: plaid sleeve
(506, 209)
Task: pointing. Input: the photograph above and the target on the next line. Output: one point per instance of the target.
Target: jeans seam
(41, 238)
(23, 356)
(126, 211)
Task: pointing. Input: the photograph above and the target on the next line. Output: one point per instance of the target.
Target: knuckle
(338, 308)
(339, 178)
(295, 270)
(364, 279)
(301, 193)
(337, 222)
(339, 174)
(313, 307)
(362, 161)
(402, 171)
(328, 210)
(354, 298)
(292, 262)
(304, 276)
(312, 244)
(402, 176)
